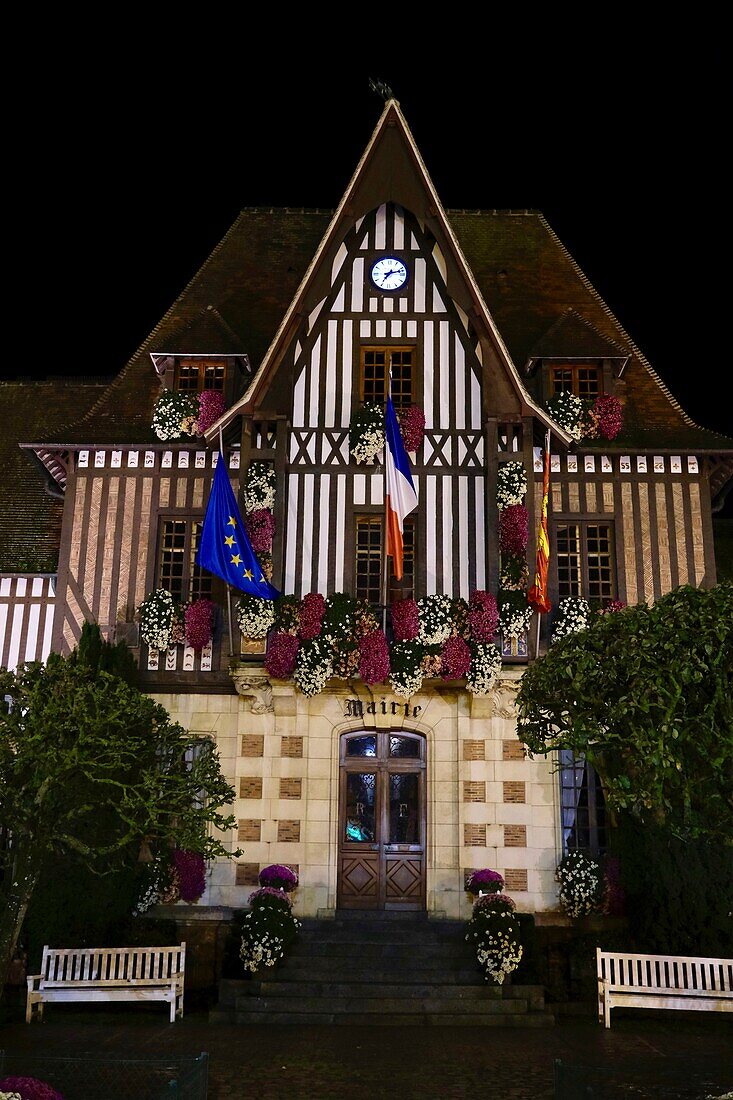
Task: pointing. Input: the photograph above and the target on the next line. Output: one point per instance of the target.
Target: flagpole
(229, 589)
(539, 613)
(384, 520)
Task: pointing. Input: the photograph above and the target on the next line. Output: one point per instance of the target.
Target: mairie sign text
(356, 708)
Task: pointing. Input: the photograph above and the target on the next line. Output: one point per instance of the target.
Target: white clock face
(389, 273)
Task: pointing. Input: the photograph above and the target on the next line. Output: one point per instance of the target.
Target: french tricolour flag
(401, 498)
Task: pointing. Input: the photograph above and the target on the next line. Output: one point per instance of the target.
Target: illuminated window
(195, 375)
(376, 364)
(582, 806)
(583, 381)
(370, 557)
(177, 569)
(584, 561)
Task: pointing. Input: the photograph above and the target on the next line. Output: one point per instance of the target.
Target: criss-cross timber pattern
(662, 981)
(108, 974)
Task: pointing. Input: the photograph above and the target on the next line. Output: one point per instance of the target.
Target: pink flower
(281, 656)
(412, 427)
(456, 659)
(495, 901)
(199, 623)
(405, 620)
(211, 407)
(513, 529)
(608, 412)
(260, 526)
(483, 616)
(29, 1088)
(374, 658)
(266, 895)
(612, 605)
(191, 870)
(278, 877)
(312, 610)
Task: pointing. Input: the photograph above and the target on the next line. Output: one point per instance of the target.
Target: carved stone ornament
(256, 686)
(504, 698)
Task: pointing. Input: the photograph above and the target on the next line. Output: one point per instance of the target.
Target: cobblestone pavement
(663, 1055)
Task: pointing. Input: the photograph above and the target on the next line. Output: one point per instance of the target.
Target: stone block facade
(487, 804)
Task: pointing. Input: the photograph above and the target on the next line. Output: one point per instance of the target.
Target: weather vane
(381, 88)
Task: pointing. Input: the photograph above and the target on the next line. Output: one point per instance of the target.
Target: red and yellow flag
(538, 596)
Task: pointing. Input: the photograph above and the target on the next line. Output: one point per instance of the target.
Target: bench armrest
(31, 979)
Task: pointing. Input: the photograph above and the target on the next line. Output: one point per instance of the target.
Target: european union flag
(224, 548)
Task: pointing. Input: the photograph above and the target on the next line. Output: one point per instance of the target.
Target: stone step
(374, 948)
(374, 1006)
(387, 1019)
(403, 991)
(393, 916)
(341, 970)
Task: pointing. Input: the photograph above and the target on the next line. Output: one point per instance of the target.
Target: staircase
(380, 968)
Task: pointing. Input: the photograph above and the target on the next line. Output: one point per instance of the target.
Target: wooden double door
(382, 826)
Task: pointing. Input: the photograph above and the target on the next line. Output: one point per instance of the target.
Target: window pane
(361, 746)
(404, 809)
(568, 560)
(405, 747)
(562, 381)
(588, 382)
(188, 376)
(201, 579)
(374, 372)
(401, 362)
(360, 802)
(173, 558)
(214, 375)
(369, 558)
(583, 806)
(598, 557)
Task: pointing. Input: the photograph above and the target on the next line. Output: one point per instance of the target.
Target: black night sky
(620, 140)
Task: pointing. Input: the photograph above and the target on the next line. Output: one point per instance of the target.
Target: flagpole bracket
(254, 686)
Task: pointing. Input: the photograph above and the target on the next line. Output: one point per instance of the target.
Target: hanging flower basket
(405, 620)
(513, 529)
(573, 614)
(484, 669)
(259, 487)
(511, 484)
(568, 410)
(175, 415)
(366, 432)
(282, 654)
(255, 616)
(515, 614)
(412, 427)
(191, 869)
(608, 412)
(260, 525)
(200, 616)
(374, 658)
(156, 618)
(211, 406)
(483, 616)
(313, 667)
(406, 673)
(436, 619)
(455, 659)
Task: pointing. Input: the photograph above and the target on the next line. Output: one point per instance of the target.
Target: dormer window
(583, 380)
(197, 375)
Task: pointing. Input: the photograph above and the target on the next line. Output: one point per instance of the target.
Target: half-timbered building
(379, 800)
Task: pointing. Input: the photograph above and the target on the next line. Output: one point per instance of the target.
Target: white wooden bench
(108, 974)
(662, 981)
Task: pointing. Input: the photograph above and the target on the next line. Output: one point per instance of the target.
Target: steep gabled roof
(572, 337)
(30, 518)
(391, 169)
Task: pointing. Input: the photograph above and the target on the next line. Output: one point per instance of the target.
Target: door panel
(381, 861)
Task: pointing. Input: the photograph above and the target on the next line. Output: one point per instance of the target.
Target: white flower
(511, 484)
(259, 487)
(435, 619)
(255, 616)
(573, 614)
(484, 669)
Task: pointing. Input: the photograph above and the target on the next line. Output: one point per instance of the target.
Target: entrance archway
(382, 820)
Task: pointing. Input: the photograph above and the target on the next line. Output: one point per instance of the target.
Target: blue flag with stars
(224, 547)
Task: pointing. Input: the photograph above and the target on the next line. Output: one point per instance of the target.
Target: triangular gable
(390, 170)
(573, 337)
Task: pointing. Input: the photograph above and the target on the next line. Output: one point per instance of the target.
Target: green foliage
(99, 655)
(646, 694)
(679, 894)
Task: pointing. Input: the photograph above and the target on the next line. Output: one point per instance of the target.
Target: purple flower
(312, 610)
(191, 869)
(456, 659)
(199, 623)
(282, 653)
(513, 529)
(485, 880)
(268, 895)
(483, 616)
(374, 658)
(501, 902)
(29, 1088)
(608, 412)
(405, 620)
(278, 877)
(412, 427)
(211, 407)
(260, 526)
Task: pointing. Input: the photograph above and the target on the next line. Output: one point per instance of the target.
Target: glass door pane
(360, 824)
(404, 808)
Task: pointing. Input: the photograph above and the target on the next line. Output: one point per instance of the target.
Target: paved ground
(669, 1055)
